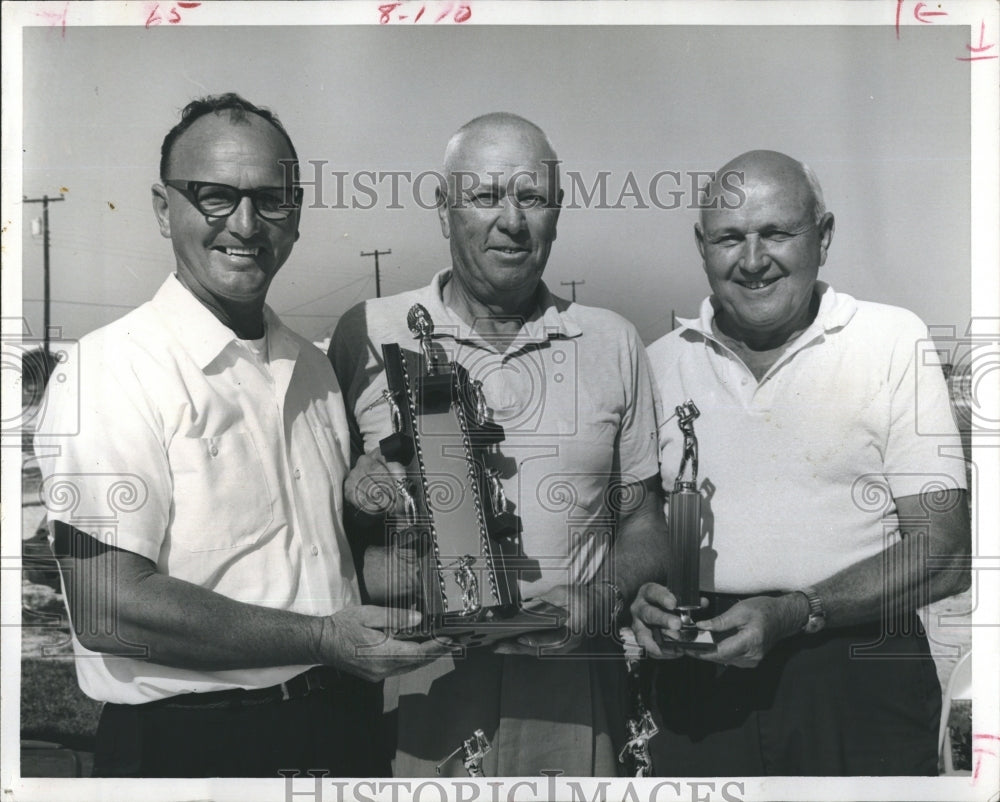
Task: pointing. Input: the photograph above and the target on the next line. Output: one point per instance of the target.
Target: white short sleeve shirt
(220, 460)
(799, 471)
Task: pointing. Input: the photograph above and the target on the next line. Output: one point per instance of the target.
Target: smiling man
(570, 385)
(213, 596)
(827, 517)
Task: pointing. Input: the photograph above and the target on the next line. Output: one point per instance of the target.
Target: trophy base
(691, 640)
(487, 625)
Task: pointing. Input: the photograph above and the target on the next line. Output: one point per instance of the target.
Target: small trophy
(454, 509)
(636, 748)
(473, 751)
(641, 727)
(684, 526)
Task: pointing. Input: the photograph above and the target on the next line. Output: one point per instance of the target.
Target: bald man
(570, 385)
(821, 506)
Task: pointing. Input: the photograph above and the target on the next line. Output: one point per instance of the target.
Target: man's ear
(442, 209)
(161, 208)
(555, 223)
(699, 238)
(826, 226)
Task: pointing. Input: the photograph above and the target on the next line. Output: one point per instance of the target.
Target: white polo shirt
(799, 471)
(220, 460)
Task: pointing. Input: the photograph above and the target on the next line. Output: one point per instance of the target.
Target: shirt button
(214, 451)
(744, 381)
(314, 550)
(297, 473)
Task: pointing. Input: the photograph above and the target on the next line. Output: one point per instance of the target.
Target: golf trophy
(684, 527)
(455, 514)
(473, 751)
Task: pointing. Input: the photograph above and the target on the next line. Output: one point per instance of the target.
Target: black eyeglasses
(221, 200)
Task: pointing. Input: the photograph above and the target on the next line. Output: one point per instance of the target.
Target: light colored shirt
(574, 396)
(572, 392)
(220, 460)
(799, 472)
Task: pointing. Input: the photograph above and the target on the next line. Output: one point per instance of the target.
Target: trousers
(332, 729)
(856, 701)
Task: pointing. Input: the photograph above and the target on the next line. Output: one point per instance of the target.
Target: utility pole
(378, 281)
(573, 284)
(45, 200)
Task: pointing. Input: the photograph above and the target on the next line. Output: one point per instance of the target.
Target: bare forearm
(121, 605)
(639, 551)
(190, 627)
(929, 563)
(896, 581)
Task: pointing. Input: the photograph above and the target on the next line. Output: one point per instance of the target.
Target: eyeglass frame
(189, 190)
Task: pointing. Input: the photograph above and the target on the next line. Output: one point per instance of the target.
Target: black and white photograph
(440, 400)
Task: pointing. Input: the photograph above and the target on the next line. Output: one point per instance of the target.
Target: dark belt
(318, 678)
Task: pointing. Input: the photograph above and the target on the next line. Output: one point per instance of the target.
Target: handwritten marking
(919, 14)
(173, 16)
(385, 11)
(979, 752)
(56, 17)
(459, 13)
(980, 49)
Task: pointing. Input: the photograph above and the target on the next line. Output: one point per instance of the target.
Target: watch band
(817, 615)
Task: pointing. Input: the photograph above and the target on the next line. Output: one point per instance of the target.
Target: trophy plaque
(684, 528)
(454, 510)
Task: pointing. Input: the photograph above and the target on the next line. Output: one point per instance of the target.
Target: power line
(573, 283)
(81, 303)
(325, 295)
(44, 200)
(378, 282)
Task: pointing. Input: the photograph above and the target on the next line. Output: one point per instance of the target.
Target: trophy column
(684, 527)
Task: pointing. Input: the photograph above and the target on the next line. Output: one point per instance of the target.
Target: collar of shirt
(835, 310)
(545, 323)
(203, 335)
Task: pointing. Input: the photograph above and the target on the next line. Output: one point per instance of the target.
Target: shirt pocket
(332, 449)
(222, 499)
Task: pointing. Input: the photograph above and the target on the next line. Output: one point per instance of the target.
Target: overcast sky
(885, 123)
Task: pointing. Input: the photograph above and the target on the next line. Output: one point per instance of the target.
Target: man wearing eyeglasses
(213, 596)
(830, 512)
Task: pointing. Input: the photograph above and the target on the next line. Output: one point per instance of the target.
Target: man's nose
(244, 220)
(511, 217)
(755, 257)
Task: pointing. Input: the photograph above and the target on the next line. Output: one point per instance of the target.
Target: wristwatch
(817, 615)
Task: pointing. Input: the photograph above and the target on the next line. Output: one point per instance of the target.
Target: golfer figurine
(473, 751)
(497, 497)
(409, 503)
(467, 580)
(686, 414)
(418, 321)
